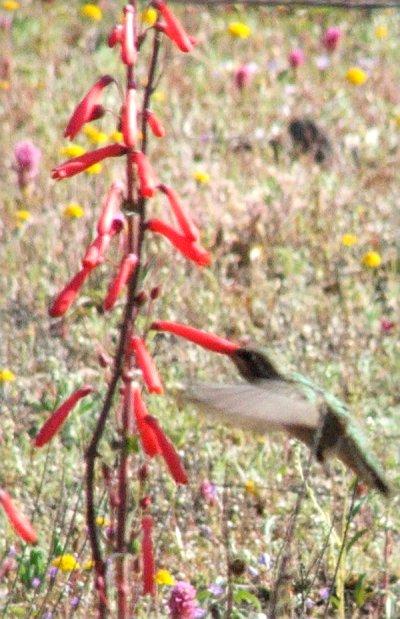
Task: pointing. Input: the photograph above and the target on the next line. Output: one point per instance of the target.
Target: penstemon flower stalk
(123, 212)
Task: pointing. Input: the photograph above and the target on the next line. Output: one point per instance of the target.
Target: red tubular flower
(129, 118)
(149, 585)
(206, 340)
(145, 362)
(53, 424)
(168, 452)
(174, 29)
(110, 206)
(81, 163)
(125, 270)
(85, 111)
(115, 35)
(68, 294)
(95, 252)
(146, 434)
(183, 218)
(18, 521)
(154, 124)
(128, 43)
(192, 251)
(147, 179)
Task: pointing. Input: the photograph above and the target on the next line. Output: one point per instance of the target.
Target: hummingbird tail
(351, 455)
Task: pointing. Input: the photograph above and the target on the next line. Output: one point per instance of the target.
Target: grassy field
(283, 275)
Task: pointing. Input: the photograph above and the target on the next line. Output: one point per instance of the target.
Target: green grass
(280, 277)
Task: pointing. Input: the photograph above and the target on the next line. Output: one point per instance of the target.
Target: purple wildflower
(35, 582)
(208, 491)
(52, 573)
(75, 602)
(27, 161)
(182, 602)
(324, 593)
(5, 22)
(215, 589)
(12, 552)
(296, 58)
(331, 38)
(387, 325)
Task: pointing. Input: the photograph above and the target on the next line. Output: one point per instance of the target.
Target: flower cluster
(123, 214)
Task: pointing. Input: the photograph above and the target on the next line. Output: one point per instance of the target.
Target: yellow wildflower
(349, 239)
(88, 565)
(116, 136)
(96, 168)
(239, 29)
(381, 32)
(102, 522)
(72, 150)
(250, 486)
(164, 577)
(92, 11)
(23, 215)
(66, 563)
(201, 177)
(94, 135)
(158, 96)
(73, 211)
(10, 5)
(4, 85)
(149, 16)
(6, 376)
(356, 76)
(371, 259)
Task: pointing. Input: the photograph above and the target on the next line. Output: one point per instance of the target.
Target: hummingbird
(270, 400)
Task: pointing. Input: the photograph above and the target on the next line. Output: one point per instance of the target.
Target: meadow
(305, 261)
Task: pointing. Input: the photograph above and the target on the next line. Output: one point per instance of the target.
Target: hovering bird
(268, 400)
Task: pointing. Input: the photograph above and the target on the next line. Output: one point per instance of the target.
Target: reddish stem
(136, 216)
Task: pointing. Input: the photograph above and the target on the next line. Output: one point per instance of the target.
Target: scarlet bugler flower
(18, 521)
(184, 220)
(192, 251)
(88, 109)
(154, 124)
(151, 376)
(68, 294)
(129, 118)
(149, 585)
(53, 424)
(125, 270)
(206, 340)
(174, 29)
(128, 43)
(79, 164)
(147, 178)
(109, 208)
(115, 35)
(147, 437)
(168, 452)
(94, 254)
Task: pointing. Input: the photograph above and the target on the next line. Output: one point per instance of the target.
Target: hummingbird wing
(268, 405)
(261, 406)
